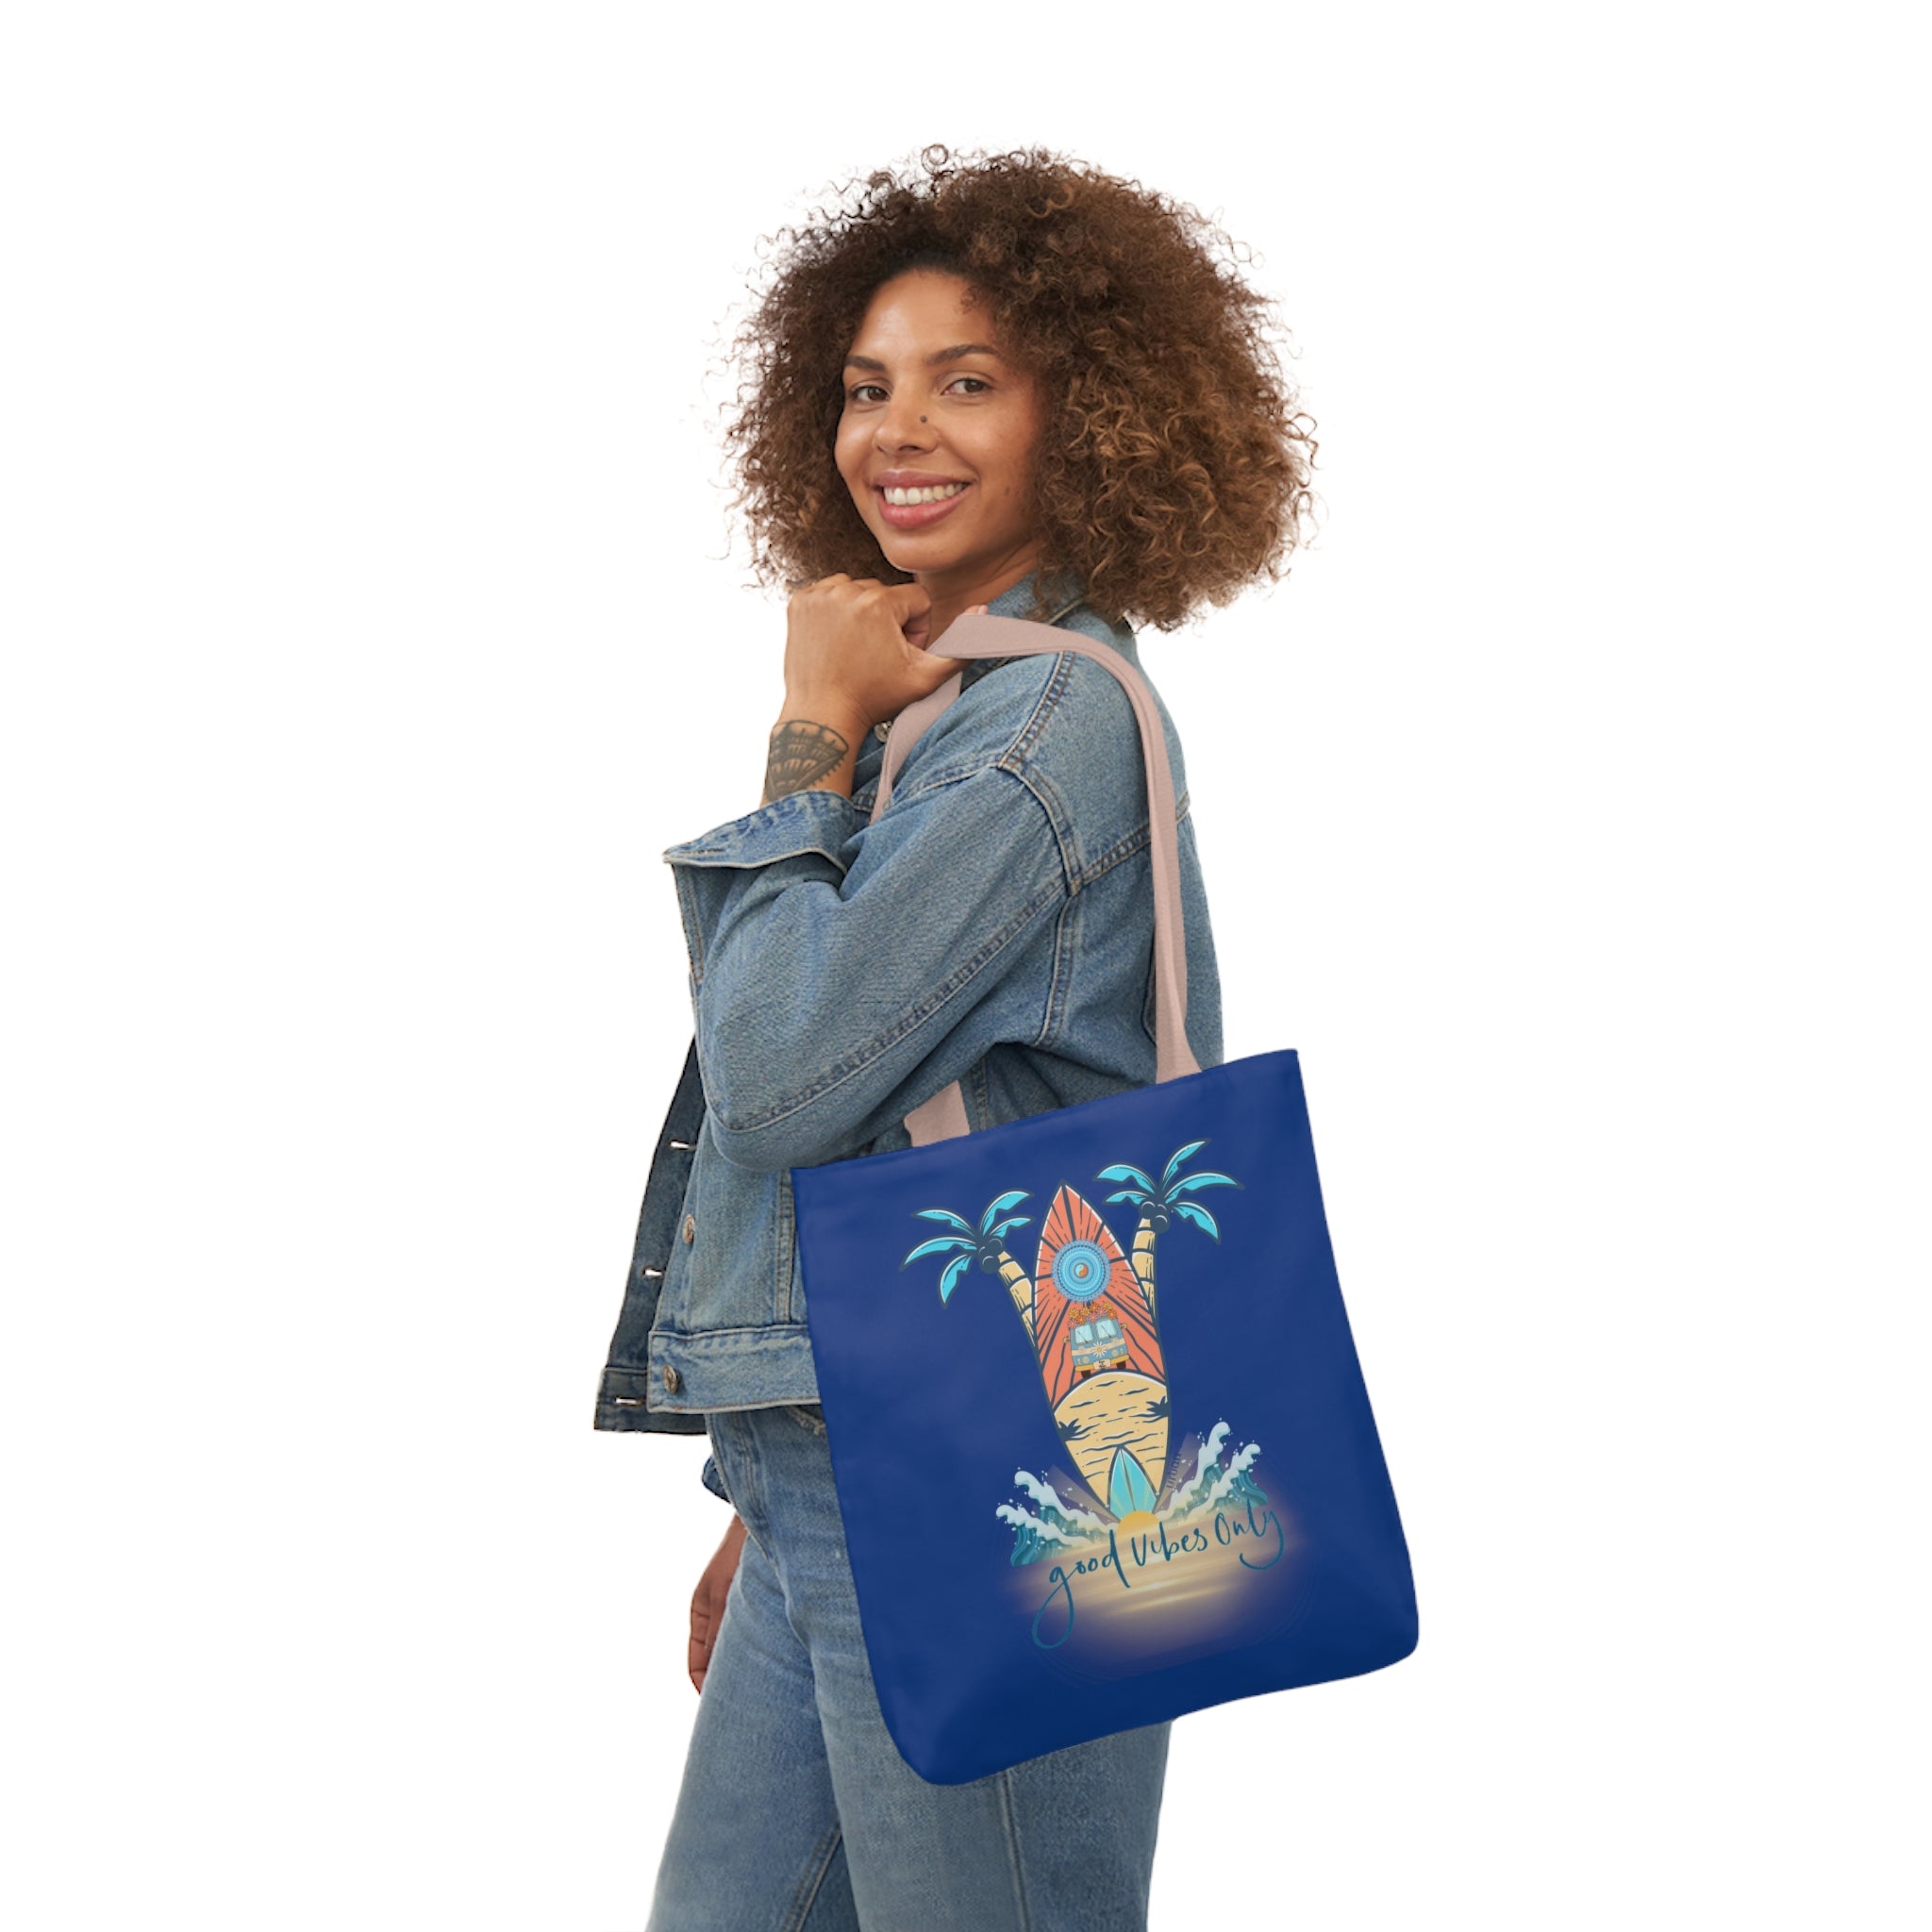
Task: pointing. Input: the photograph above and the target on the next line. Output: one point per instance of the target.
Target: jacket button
(690, 1228)
(671, 1378)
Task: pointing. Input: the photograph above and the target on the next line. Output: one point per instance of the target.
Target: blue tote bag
(1102, 1446)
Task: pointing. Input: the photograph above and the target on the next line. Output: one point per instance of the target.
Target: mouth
(916, 516)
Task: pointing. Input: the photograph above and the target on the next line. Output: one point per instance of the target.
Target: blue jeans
(797, 1813)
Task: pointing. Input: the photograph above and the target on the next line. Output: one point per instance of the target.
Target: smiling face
(930, 400)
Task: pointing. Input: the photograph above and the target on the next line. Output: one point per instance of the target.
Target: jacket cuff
(712, 1480)
(816, 819)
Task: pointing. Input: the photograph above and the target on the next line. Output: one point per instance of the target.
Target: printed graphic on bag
(1149, 1554)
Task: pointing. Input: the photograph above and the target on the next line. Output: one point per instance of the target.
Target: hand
(855, 650)
(708, 1600)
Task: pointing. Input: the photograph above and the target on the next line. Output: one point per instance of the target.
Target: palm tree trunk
(1020, 1286)
(1143, 1260)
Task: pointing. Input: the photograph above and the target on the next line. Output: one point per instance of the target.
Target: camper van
(1098, 1343)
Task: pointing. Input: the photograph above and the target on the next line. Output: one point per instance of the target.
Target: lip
(916, 516)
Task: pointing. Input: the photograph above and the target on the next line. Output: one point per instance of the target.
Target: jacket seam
(1116, 853)
(1060, 990)
(1016, 754)
(951, 775)
(664, 1330)
(785, 1248)
(695, 946)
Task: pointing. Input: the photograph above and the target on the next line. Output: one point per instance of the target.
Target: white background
(372, 623)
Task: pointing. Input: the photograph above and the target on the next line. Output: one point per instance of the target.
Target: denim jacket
(995, 927)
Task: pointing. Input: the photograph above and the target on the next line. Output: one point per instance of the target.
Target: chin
(915, 557)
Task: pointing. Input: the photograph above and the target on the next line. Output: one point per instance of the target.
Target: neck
(953, 591)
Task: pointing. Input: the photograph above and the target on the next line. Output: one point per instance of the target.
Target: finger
(935, 667)
(701, 1664)
(905, 601)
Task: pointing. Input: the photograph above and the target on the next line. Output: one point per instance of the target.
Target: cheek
(848, 452)
(1011, 459)
(1015, 471)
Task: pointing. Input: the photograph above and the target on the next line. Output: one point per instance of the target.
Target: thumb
(936, 654)
(912, 608)
(928, 670)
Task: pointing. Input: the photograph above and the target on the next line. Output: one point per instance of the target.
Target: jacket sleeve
(839, 965)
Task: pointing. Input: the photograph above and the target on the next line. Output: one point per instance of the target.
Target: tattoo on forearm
(801, 754)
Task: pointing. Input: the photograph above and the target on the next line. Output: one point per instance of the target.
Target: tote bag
(1102, 1446)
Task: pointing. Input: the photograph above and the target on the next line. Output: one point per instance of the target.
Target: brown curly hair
(1173, 464)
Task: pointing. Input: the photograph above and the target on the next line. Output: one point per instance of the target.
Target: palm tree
(987, 1244)
(1161, 1206)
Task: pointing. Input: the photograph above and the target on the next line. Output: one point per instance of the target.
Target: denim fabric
(796, 1809)
(996, 926)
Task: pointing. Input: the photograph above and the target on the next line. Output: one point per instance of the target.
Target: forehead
(922, 310)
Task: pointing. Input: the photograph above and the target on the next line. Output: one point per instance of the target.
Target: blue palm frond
(1011, 1220)
(996, 1209)
(1167, 1173)
(939, 1244)
(959, 1220)
(1201, 1218)
(950, 1274)
(1121, 1171)
(1201, 1180)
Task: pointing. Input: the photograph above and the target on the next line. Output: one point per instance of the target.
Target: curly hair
(1173, 463)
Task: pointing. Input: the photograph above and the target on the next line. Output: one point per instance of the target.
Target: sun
(1135, 1521)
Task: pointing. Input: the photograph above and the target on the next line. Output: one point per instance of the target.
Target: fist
(855, 649)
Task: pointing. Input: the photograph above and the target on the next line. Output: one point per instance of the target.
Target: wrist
(810, 747)
(825, 706)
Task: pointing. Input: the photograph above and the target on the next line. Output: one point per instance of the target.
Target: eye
(856, 393)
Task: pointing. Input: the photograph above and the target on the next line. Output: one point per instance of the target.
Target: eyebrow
(934, 361)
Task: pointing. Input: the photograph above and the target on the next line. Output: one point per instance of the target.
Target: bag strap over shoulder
(984, 636)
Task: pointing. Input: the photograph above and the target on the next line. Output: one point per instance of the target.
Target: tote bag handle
(986, 636)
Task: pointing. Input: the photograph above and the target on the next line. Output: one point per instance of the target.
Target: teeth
(901, 499)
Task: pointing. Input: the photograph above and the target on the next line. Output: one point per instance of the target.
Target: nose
(901, 427)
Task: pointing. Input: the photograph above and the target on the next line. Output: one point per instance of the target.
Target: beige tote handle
(984, 636)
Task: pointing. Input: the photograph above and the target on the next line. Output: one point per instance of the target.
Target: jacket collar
(1017, 601)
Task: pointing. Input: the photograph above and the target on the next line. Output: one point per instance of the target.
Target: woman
(1018, 386)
